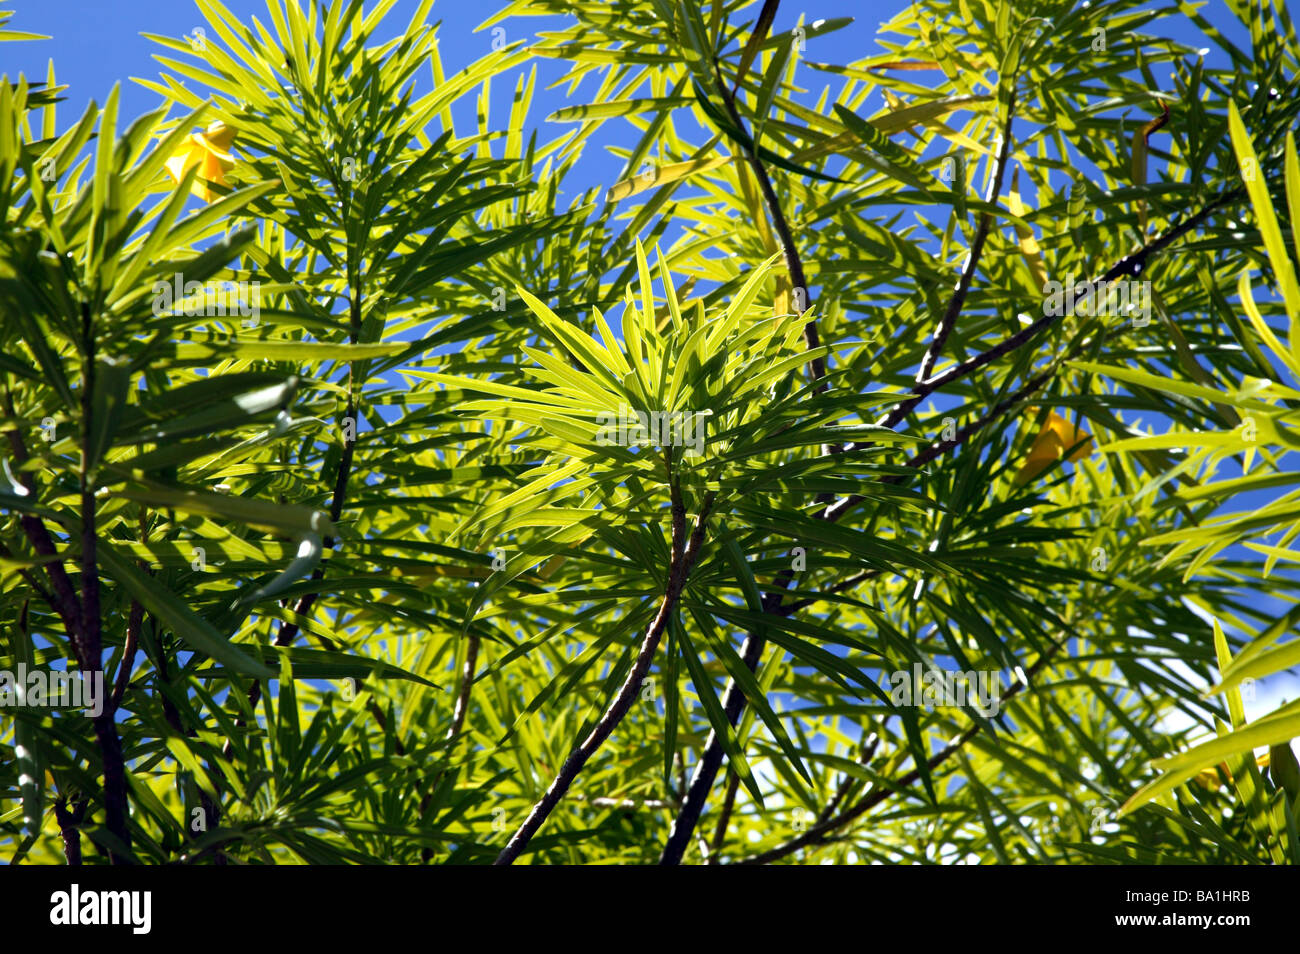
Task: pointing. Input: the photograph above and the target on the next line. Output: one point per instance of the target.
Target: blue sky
(95, 44)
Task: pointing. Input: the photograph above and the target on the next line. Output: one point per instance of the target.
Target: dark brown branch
(849, 782)
(133, 622)
(685, 553)
(752, 649)
(734, 701)
(818, 832)
(762, 26)
(64, 600)
(466, 685)
(958, 299)
(1129, 266)
(31, 578)
(91, 655)
(288, 630)
(339, 494)
(457, 722)
(707, 768)
(845, 584)
(724, 817)
(83, 632)
(170, 711)
(68, 831)
(793, 264)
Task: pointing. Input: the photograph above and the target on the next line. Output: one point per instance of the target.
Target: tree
(838, 539)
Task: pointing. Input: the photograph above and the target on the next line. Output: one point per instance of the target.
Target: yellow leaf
(662, 176)
(1028, 244)
(897, 118)
(781, 298)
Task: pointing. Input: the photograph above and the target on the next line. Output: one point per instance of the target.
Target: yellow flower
(1208, 778)
(210, 152)
(1057, 436)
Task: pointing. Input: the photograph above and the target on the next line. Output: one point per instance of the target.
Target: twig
(68, 831)
(959, 294)
(64, 596)
(288, 630)
(1130, 265)
(457, 722)
(81, 618)
(869, 746)
(845, 584)
(685, 553)
(706, 769)
(710, 761)
(817, 832)
(466, 685)
(91, 657)
(752, 649)
(724, 817)
(133, 622)
(793, 264)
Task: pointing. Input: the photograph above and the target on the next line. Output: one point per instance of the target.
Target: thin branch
(466, 685)
(958, 299)
(847, 784)
(817, 833)
(133, 622)
(752, 649)
(68, 831)
(724, 817)
(170, 712)
(31, 578)
(81, 620)
(762, 26)
(793, 264)
(706, 769)
(710, 761)
(288, 630)
(110, 744)
(64, 598)
(685, 553)
(1129, 266)
(457, 723)
(339, 495)
(847, 583)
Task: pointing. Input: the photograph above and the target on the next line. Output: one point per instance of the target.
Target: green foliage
(426, 550)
